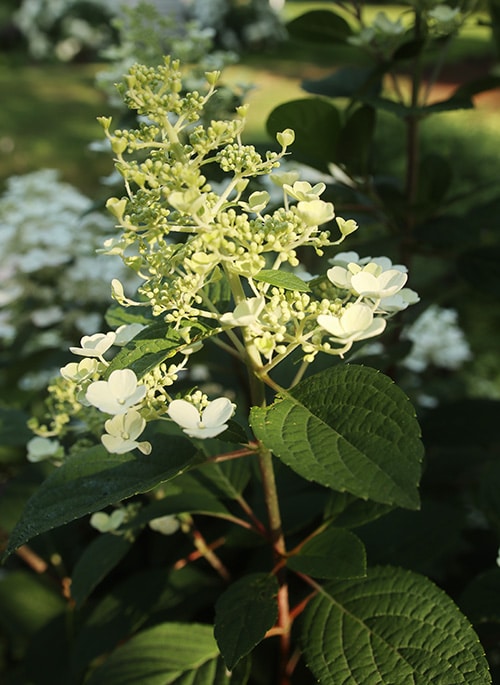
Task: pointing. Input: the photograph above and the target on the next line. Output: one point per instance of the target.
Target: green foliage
(276, 521)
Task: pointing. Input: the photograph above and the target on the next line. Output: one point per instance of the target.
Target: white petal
(217, 412)
(183, 413)
(122, 383)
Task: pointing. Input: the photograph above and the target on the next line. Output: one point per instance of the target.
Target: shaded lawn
(48, 119)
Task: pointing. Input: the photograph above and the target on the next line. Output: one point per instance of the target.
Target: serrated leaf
(349, 428)
(93, 479)
(151, 347)
(98, 559)
(334, 553)
(391, 628)
(117, 315)
(282, 279)
(159, 656)
(243, 615)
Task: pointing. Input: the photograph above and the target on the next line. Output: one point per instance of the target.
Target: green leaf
(159, 656)
(243, 615)
(346, 82)
(391, 628)
(98, 559)
(13, 428)
(93, 479)
(117, 315)
(151, 347)
(348, 512)
(334, 553)
(320, 26)
(282, 279)
(435, 178)
(479, 267)
(226, 479)
(481, 598)
(355, 143)
(184, 503)
(27, 602)
(349, 428)
(316, 124)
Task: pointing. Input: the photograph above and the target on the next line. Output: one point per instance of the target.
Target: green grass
(48, 120)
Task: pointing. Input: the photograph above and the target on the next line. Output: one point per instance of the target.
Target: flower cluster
(436, 340)
(49, 281)
(218, 264)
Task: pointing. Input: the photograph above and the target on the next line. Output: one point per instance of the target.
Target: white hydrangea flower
(245, 313)
(122, 432)
(107, 523)
(40, 449)
(79, 372)
(206, 424)
(118, 394)
(94, 345)
(437, 339)
(370, 280)
(166, 525)
(355, 323)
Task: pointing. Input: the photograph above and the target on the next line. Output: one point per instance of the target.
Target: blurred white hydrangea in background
(51, 287)
(437, 340)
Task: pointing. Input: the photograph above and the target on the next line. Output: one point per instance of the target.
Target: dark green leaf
(480, 85)
(132, 602)
(480, 600)
(98, 559)
(243, 615)
(421, 541)
(349, 428)
(391, 628)
(479, 267)
(159, 656)
(92, 480)
(150, 347)
(346, 82)
(355, 143)
(319, 26)
(464, 422)
(282, 279)
(348, 511)
(13, 428)
(117, 315)
(435, 176)
(192, 503)
(226, 479)
(27, 602)
(334, 553)
(316, 124)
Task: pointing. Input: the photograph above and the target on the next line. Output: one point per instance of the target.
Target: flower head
(94, 345)
(205, 424)
(355, 323)
(118, 394)
(122, 432)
